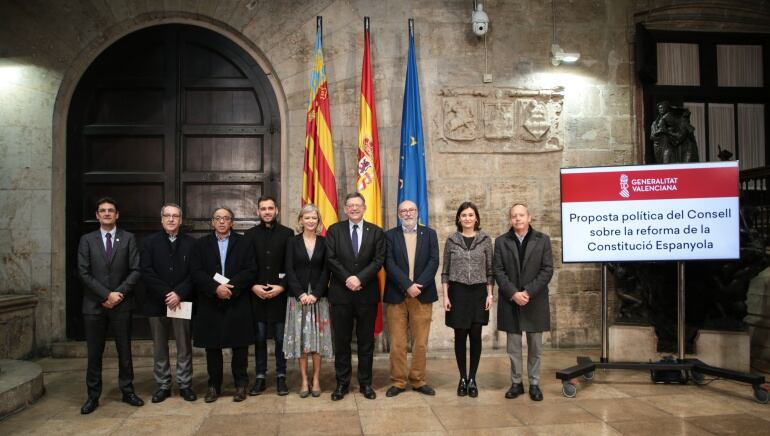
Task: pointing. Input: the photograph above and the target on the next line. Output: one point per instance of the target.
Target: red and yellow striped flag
(319, 185)
(369, 175)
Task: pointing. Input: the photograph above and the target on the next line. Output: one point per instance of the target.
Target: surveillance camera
(480, 21)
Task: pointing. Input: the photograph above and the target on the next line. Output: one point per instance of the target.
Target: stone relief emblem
(500, 120)
(535, 116)
(460, 119)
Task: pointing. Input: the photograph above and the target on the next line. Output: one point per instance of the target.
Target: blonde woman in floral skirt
(308, 330)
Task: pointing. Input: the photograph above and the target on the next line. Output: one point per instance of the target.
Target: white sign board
(650, 213)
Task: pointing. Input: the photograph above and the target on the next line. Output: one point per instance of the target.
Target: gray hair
(162, 208)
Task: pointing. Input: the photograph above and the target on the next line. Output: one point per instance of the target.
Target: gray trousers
(534, 349)
(160, 327)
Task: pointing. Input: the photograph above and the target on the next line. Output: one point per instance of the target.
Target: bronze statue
(673, 136)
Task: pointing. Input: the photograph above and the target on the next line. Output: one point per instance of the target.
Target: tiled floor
(615, 402)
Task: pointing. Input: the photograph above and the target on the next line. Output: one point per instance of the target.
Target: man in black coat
(355, 252)
(108, 266)
(268, 299)
(222, 269)
(523, 267)
(411, 262)
(166, 275)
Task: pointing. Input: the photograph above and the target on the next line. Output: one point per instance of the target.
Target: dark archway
(171, 113)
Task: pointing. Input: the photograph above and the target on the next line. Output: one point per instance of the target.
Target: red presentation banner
(654, 182)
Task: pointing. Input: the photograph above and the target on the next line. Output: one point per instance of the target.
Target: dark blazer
(101, 277)
(269, 246)
(165, 268)
(397, 265)
(302, 270)
(533, 277)
(222, 323)
(342, 264)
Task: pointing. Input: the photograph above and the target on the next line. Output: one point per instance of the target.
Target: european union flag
(412, 184)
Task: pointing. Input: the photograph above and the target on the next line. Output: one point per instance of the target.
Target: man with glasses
(222, 269)
(355, 253)
(108, 265)
(411, 262)
(166, 276)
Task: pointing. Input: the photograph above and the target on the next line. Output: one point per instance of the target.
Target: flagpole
(411, 28)
(319, 26)
(366, 24)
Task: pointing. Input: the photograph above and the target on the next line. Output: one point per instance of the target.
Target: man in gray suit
(523, 266)
(108, 265)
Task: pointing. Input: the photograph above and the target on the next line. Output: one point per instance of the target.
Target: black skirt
(467, 305)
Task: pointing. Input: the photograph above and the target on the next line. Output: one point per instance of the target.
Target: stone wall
(532, 119)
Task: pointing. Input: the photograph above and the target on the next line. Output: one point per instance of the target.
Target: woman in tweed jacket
(467, 280)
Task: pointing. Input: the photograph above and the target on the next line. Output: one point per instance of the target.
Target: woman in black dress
(467, 281)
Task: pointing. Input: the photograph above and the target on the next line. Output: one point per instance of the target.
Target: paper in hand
(222, 280)
(183, 311)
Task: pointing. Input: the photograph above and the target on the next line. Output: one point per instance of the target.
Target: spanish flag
(369, 175)
(319, 185)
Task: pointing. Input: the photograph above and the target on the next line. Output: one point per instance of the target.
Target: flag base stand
(679, 370)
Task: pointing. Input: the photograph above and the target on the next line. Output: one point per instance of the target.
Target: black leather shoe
(281, 386)
(367, 392)
(188, 394)
(160, 395)
(339, 392)
(240, 394)
(258, 388)
(462, 388)
(89, 406)
(515, 390)
(132, 399)
(425, 390)
(534, 393)
(211, 395)
(393, 391)
(473, 391)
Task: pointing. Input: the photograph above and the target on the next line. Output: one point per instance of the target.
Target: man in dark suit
(523, 267)
(108, 265)
(268, 299)
(222, 269)
(411, 262)
(355, 253)
(166, 275)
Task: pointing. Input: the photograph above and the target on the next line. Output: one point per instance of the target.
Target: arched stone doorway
(171, 113)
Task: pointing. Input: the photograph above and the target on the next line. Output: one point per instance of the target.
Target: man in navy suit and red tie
(411, 262)
(355, 253)
(108, 265)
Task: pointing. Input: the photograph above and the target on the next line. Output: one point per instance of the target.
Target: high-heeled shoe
(462, 387)
(473, 390)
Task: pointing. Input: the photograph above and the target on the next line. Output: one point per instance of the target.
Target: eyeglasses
(110, 210)
(223, 218)
(169, 216)
(405, 211)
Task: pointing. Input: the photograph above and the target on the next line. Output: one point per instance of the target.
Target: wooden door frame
(70, 80)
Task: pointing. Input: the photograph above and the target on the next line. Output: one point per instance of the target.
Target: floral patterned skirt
(307, 329)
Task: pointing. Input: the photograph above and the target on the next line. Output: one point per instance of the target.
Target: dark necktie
(354, 238)
(109, 246)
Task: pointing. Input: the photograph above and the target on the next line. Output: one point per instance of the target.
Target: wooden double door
(171, 113)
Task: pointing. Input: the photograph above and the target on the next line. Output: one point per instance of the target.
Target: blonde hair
(307, 209)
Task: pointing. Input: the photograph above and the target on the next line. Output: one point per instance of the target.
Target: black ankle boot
(462, 388)
(473, 391)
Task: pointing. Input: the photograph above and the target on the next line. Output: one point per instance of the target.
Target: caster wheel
(568, 389)
(697, 377)
(760, 395)
(588, 376)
